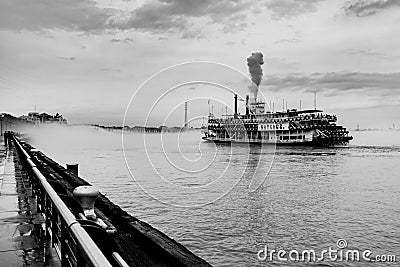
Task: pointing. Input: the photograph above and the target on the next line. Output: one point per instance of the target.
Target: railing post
(63, 248)
(47, 213)
(54, 221)
(73, 168)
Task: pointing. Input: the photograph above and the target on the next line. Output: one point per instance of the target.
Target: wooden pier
(54, 226)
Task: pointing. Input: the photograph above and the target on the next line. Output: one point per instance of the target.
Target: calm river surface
(199, 194)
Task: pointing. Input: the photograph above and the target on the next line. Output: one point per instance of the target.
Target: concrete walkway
(19, 245)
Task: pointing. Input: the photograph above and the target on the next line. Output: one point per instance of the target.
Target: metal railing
(72, 243)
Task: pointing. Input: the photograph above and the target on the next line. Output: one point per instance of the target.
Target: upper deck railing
(259, 119)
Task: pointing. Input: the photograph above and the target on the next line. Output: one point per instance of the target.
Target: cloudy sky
(86, 59)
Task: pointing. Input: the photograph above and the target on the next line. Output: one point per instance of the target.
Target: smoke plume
(254, 62)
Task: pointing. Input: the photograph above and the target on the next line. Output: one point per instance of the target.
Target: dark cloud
(84, 15)
(291, 8)
(148, 18)
(379, 83)
(126, 40)
(192, 34)
(363, 8)
(217, 10)
(235, 23)
(165, 15)
(157, 16)
(66, 58)
(77, 15)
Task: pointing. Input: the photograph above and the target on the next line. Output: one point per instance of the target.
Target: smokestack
(254, 63)
(236, 98)
(247, 105)
(186, 119)
(315, 100)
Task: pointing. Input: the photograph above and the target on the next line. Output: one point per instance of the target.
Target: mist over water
(311, 198)
(376, 138)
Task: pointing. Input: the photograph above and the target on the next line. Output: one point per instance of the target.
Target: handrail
(89, 249)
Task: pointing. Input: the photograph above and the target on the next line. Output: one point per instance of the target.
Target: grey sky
(85, 58)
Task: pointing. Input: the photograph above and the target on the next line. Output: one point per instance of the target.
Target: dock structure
(19, 219)
(61, 220)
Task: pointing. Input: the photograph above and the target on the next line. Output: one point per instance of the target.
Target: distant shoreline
(146, 129)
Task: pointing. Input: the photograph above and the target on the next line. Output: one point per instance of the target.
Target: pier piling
(73, 168)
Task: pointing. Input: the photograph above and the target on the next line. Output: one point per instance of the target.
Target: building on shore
(9, 122)
(41, 118)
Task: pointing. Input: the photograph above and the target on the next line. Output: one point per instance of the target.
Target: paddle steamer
(291, 127)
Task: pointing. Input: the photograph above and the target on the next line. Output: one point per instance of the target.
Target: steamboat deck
(290, 127)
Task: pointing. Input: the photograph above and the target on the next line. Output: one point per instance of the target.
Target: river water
(227, 203)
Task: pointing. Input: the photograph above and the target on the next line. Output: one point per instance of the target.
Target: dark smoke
(254, 62)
